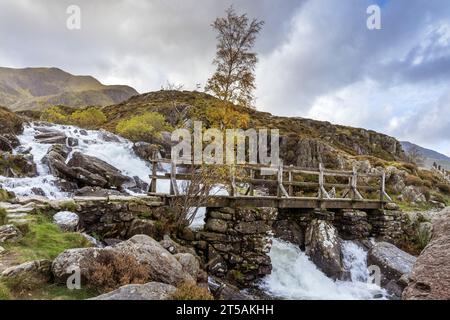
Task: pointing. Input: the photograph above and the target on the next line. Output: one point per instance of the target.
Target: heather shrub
(191, 291)
(109, 271)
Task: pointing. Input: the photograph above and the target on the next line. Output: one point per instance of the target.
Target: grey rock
(323, 246)
(39, 270)
(430, 276)
(393, 262)
(148, 291)
(9, 233)
(66, 220)
(189, 263)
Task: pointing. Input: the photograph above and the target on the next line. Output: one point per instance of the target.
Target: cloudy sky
(317, 57)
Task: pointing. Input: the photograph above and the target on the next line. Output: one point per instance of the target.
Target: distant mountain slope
(37, 88)
(431, 156)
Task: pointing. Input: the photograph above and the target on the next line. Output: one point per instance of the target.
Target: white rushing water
(103, 145)
(294, 276)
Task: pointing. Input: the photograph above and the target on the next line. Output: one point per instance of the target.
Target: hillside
(38, 88)
(304, 142)
(430, 156)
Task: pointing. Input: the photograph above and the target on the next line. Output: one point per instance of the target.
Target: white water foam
(294, 276)
(103, 145)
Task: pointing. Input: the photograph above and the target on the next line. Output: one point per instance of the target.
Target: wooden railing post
(355, 192)
(251, 188)
(290, 188)
(322, 192)
(279, 178)
(154, 180)
(233, 180)
(382, 186)
(173, 179)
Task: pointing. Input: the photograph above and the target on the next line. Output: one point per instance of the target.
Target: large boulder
(9, 233)
(97, 168)
(430, 276)
(159, 263)
(395, 265)
(82, 169)
(148, 291)
(66, 220)
(163, 266)
(323, 246)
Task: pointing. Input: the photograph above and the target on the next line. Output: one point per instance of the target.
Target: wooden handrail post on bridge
(173, 179)
(322, 192)
(154, 172)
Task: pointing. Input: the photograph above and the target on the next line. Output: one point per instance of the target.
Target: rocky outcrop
(395, 265)
(413, 195)
(10, 123)
(323, 246)
(430, 276)
(9, 233)
(66, 220)
(39, 270)
(17, 165)
(148, 291)
(160, 265)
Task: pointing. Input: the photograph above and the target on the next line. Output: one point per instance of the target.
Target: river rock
(323, 246)
(97, 168)
(290, 231)
(9, 233)
(430, 276)
(66, 220)
(148, 291)
(393, 263)
(39, 270)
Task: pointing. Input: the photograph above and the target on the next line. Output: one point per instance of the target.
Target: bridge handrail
(280, 170)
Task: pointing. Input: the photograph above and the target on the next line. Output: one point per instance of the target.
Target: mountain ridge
(431, 156)
(37, 88)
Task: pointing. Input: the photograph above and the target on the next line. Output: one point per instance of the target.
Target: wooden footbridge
(285, 187)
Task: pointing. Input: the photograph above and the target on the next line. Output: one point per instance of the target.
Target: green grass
(59, 292)
(45, 240)
(45, 292)
(5, 294)
(3, 218)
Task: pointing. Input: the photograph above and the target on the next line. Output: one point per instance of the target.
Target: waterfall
(103, 145)
(294, 276)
